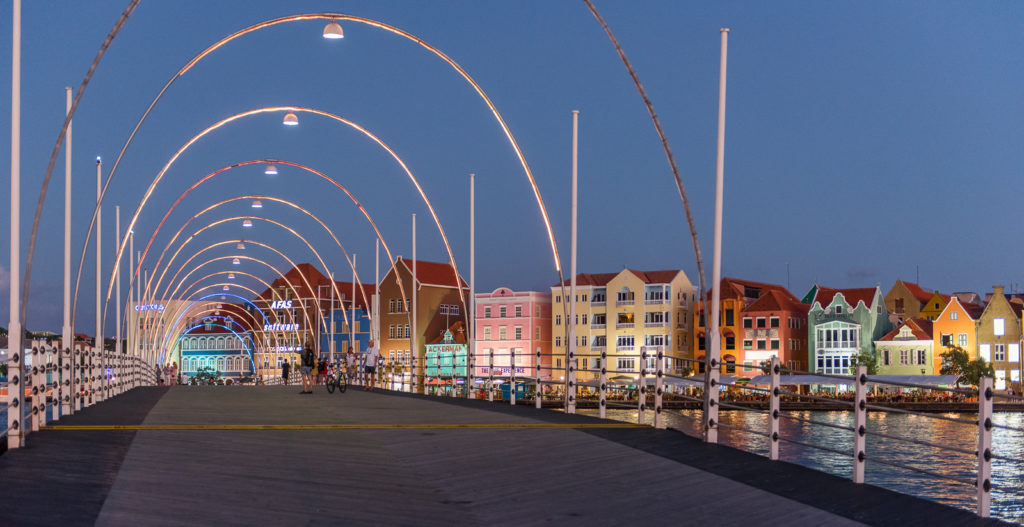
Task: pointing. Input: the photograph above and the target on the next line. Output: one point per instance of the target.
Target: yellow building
(934, 306)
(620, 313)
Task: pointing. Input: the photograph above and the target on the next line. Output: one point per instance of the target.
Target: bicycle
(336, 378)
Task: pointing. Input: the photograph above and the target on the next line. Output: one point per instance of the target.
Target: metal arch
(326, 16)
(202, 312)
(311, 170)
(222, 122)
(234, 218)
(240, 338)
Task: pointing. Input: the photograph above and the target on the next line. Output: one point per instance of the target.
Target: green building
(842, 324)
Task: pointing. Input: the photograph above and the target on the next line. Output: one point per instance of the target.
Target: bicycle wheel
(330, 384)
(342, 384)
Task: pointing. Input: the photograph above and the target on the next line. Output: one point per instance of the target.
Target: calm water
(1007, 476)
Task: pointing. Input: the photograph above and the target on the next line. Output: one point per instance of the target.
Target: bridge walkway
(270, 456)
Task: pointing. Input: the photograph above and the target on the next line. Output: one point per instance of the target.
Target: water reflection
(960, 468)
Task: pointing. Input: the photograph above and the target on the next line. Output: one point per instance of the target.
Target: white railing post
(860, 420)
(603, 385)
(539, 394)
(490, 375)
(512, 377)
(52, 356)
(67, 373)
(641, 388)
(984, 446)
(38, 390)
(570, 377)
(774, 407)
(659, 420)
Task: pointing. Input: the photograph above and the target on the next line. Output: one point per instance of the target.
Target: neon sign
(280, 327)
(286, 348)
(281, 304)
(149, 307)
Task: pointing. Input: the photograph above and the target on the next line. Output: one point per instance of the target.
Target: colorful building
(931, 309)
(438, 306)
(445, 356)
(651, 309)
(510, 322)
(217, 343)
(340, 337)
(907, 350)
(956, 326)
(999, 338)
(843, 324)
(751, 336)
(904, 301)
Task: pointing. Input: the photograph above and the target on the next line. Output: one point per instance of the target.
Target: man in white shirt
(370, 367)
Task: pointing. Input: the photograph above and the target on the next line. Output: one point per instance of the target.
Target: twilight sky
(863, 139)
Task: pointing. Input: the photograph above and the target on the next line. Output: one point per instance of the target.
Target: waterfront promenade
(269, 456)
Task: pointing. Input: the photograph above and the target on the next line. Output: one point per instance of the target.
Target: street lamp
(236, 261)
(257, 204)
(240, 246)
(290, 119)
(271, 170)
(333, 31)
(231, 276)
(247, 222)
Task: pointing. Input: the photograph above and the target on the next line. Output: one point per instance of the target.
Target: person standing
(306, 367)
(370, 369)
(285, 369)
(351, 365)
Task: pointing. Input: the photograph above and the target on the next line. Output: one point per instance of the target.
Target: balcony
(626, 302)
(655, 301)
(597, 349)
(625, 325)
(624, 347)
(650, 324)
(595, 325)
(681, 325)
(598, 303)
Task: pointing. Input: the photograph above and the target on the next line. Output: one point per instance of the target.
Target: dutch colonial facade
(842, 324)
(756, 321)
(931, 309)
(356, 337)
(619, 314)
(438, 306)
(218, 343)
(905, 301)
(510, 322)
(999, 338)
(906, 350)
(956, 327)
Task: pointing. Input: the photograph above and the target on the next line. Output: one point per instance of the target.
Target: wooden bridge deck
(269, 456)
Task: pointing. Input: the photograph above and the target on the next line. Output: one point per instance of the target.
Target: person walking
(370, 368)
(285, 369)
(351, 365)
(306, 368)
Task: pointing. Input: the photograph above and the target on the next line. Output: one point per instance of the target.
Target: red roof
(778, 300)
(316, 279)
(592, 279)
(739, 288)
(458, 334)
(434, 273)
(919, 293)
(656, 277)
(825, 295)
(361, 303)
(921, 328)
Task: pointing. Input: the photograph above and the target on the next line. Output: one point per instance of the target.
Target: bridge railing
(641, 381)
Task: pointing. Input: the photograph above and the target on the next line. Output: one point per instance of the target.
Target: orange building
(957, 325)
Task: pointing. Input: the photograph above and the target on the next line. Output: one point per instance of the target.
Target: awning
(694, 380)
(926, 380)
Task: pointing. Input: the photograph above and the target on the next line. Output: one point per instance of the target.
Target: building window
(748, 344)
(558, 320)
(947, 340)
(899, 305)
(886, 359)
(774, 322)
(487, 333)
(536, 312)
(584, 297)
(748, 323)
(922, 357)
(502, 311)
(558, 299)
(730, 365)
(519, 332)
(502, 333)
(700, 343)
(1000, 352)
(774, 344)
(624, 342)
(760, 323)
(962, 340)
(519, 311)
(839, 310)
(487, 312)
(904, 360)
(762, 344)
(391, 305)
(391, 331)
(730, 342)
(878, 309)
(729, 321)
(998, 327)
(625, 365)
(584, 319)
(408, 333)
(953, 315)
(558, 342)
(453, 309)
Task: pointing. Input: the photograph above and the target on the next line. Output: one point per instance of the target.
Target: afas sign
(281, 304)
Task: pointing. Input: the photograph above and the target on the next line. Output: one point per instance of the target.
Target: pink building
(508, 321)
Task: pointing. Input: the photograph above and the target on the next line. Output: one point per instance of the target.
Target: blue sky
(864, 139)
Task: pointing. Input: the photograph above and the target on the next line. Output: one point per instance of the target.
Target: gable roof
(973, 310)
(591, 279)
(919, 292)
(656, 277)
(458, 334)
(433, 273)
(778, 300)
(921, 328)
(825, 295)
